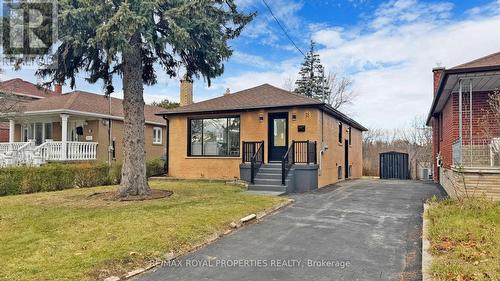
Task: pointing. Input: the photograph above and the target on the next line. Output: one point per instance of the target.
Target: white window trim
(160, 135)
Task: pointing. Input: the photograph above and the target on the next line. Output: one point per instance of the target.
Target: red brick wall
(4, 135)
(484, 126)
(435, 147)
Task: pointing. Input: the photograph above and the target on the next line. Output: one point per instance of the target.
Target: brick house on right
(465, 120)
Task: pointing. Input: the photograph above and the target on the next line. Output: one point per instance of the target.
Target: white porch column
(64, 136)
(12, 130)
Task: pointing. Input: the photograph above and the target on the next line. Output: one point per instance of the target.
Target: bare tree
(339, 91)
(289, 84)
(419, 142)
(9, 102)
(414, 140)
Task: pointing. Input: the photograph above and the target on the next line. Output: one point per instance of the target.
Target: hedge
(52, 177)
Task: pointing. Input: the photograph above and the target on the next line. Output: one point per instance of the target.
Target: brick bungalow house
(75, 126)
(15, 93)
(272, 138)
(466, 131)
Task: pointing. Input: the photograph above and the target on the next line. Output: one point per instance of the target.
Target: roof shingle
(263, 96)
(19, 86)
(89, 103)
(487, 61)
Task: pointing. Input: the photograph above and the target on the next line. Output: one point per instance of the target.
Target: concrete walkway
(356, 230)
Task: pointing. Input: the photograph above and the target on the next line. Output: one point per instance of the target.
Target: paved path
(356, 230)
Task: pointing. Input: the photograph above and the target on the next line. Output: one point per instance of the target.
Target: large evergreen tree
(312, 81)
(128, 38)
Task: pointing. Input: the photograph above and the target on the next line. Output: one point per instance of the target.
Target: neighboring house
(16, 92)
(77, 126)
(286, 138)
(466, 133)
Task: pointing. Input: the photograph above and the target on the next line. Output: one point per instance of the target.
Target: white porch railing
(80, 151)
(6, 147)
(49, 151)
(29, 154)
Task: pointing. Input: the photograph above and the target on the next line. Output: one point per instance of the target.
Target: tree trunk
(134, 181)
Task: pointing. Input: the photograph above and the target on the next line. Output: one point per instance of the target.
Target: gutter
(453, 71)
(322, 106)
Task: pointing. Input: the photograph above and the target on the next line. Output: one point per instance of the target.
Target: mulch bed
(113, 196)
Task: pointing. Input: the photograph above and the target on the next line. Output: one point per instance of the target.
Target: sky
(388, 49)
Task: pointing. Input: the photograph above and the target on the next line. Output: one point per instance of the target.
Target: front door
(278, 135)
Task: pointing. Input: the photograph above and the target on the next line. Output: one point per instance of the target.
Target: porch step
(270, 175)
(265, 187)
(268, 178)
(270, 170)
(264, 181)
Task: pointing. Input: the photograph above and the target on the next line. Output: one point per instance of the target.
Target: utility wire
(282, 28)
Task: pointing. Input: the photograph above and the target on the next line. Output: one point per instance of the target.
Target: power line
(282, 28)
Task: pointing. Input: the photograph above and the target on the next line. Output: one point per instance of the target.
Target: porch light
(261, 118)
(294, 116)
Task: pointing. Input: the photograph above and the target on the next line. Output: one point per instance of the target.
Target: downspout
(167, 146)
(110, 133)
(322, 150)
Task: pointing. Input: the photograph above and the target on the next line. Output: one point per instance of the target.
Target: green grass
(465, 239)
(66, 235)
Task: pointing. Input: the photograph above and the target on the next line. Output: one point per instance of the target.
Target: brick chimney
(186, 92)
(438, 75)
(58, 89)
(228, 92)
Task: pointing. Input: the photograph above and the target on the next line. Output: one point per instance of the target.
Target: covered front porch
(36, 140)
(475, 157)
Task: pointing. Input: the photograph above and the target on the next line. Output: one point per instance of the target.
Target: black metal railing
(253, 152)
(299, 152)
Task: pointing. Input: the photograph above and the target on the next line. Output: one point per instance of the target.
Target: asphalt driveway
(357, 230)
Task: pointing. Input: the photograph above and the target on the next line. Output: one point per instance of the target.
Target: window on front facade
(214, 137)
(157, 135)
(48, 131)
(340, 132)
(350, 135)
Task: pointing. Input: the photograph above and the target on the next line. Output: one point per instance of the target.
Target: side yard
(70, 235)
(465, 239)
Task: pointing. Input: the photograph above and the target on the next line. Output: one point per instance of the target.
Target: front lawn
(465, 239)
(67, 235)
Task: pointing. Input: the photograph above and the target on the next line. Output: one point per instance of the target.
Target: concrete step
(268, 175)
(264, 192)
(267, 187)
(263, 181)
(270, 170)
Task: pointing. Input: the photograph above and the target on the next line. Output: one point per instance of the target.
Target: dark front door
(346, 156)
(278, 135)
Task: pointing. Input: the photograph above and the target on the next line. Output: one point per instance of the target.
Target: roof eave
(321, 105)
(444, 79)
(342, 117)
(173, 113)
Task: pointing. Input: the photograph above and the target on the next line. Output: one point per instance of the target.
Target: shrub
(52, 177)
(89, 175)
(154, 167)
